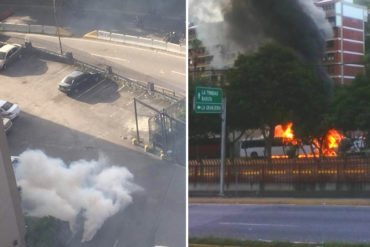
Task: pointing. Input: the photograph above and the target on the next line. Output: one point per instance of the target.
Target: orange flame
(329, 146)
(331, 143)
(286, 133)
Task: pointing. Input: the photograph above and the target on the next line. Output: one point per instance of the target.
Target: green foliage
(351, 107)
(41, 232)
(274, 86)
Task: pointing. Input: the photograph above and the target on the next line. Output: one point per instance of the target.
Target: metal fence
(239, 171)
(69, 59)
(168, 133)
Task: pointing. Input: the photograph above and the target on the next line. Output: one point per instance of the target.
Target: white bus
(256, 149)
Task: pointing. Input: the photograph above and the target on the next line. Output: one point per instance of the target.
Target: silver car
(7, 123)
(9, 110)
(9, 53)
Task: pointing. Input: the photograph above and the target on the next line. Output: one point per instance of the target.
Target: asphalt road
(164, 69)
(99, 120)
(291, 223)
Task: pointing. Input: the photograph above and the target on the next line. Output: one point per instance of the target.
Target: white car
(9, 110)
(8, 54)
(7, 123)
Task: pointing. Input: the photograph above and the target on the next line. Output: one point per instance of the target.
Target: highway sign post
(209, 100)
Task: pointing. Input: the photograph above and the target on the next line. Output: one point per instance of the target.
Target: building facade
(346, 49)
(12, 225)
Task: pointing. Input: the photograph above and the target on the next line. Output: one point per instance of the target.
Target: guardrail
(38, 29)
(140, 41)
(69, 59)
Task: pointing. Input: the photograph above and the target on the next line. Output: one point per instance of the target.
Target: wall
(143, 42)
(12, 226)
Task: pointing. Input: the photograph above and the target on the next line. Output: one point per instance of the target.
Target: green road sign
(208, 100)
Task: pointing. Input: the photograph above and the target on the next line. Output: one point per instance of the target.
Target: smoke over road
(90, 189)
(241, 25)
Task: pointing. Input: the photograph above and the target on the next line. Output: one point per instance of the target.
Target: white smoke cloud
(207, 11)
(91, 188)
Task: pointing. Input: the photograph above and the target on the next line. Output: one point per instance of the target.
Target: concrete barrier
(51, 30)
(158, 44)
(117, 37)
(173, 47)
(104, 35)
(15, 27)
(131, 39)
(36, 29)
(143, 42)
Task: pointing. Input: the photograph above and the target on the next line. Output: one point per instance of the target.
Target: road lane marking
(88, 90)
(255, 224)
(116, 58)
(179, 73)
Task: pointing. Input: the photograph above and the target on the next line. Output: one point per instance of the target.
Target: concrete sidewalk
(267, 201)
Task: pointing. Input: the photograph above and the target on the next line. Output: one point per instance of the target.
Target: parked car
(9, 110)
(77, 80)
(9, 53)
(7, 123)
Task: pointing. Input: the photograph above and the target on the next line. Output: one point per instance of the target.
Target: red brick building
(345, 51)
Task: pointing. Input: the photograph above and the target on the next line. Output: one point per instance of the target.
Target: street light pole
(57, 26)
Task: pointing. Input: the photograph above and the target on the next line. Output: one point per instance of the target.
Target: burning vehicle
(285, 145)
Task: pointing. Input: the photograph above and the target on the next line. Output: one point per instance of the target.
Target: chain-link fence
(167, 130)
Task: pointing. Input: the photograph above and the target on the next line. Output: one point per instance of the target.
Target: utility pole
(223, 142)
(57, 26)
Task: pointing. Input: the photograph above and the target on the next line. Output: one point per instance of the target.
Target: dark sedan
(77, 81)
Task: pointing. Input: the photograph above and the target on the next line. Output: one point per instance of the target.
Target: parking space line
(101, 90)
(88, 90)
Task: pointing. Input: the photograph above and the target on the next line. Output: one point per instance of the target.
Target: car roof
(2, 102)
(7, 48)
(76, 73)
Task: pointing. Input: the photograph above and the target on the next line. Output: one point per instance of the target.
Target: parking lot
(98, 120)
(101, 109)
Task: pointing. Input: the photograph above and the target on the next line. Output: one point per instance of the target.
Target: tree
(352, 105)
(273, 86)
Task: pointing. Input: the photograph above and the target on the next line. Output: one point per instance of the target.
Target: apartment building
(345, 50)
